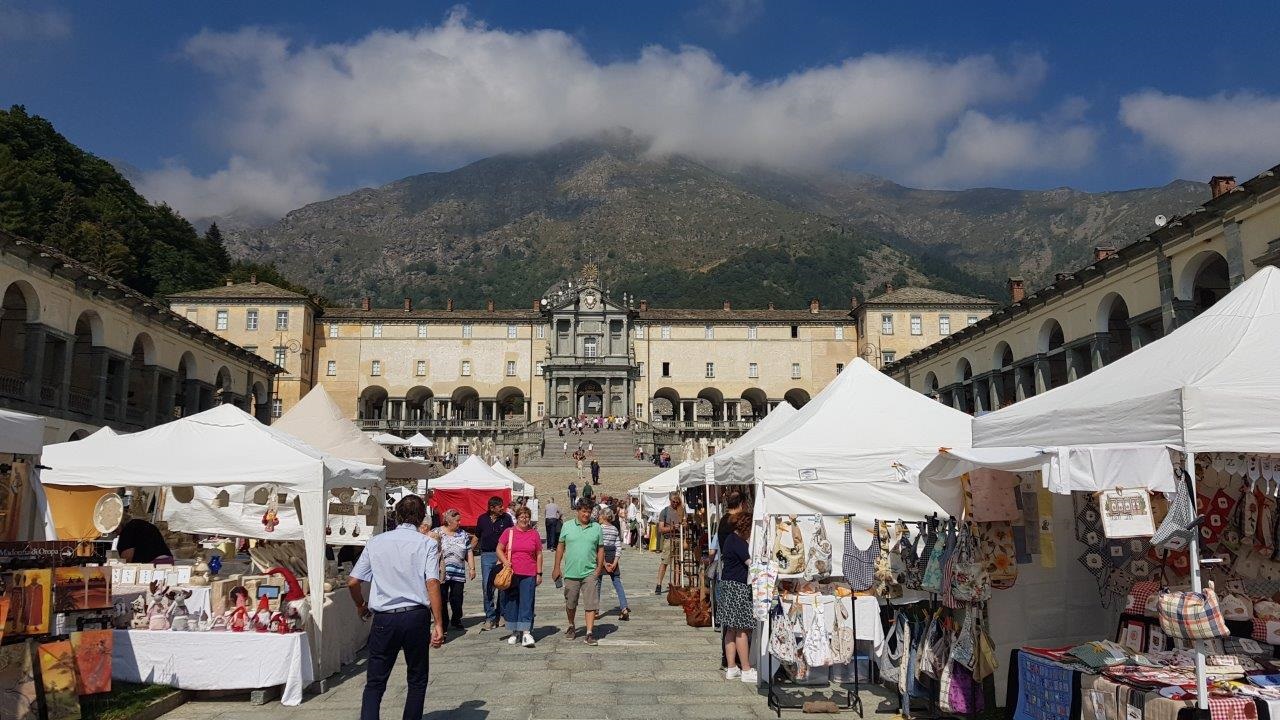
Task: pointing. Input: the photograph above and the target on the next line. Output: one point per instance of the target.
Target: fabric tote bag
(1192, 615)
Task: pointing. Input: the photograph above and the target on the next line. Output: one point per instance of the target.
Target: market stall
(737, 458)
(521, 491)
(388, 439)
(22, 505)
(1200, 391)
(229, 474)
(467, 489)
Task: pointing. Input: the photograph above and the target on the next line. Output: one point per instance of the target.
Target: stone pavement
(652, 666)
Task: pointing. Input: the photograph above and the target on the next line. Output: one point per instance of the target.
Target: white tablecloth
(200, 600)
(344, 633)
(214, 660)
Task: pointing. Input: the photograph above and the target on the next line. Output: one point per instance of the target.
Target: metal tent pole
(707, 473)
(1193, 550)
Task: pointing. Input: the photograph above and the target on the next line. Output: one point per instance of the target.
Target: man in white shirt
(402, 568)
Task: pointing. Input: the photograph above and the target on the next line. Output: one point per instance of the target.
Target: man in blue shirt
(402, 568)
(489, 529)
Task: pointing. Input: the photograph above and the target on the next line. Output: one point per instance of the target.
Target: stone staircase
(612, 448)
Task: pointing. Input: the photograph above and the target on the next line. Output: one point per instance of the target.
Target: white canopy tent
(20, 433)
(472, 474)
(388, 439)
(318, 421)
(738, 459)
(1062, 469)
(420, 442)
(655, 492)
(222, 448)
(518, 485)
(23, 434)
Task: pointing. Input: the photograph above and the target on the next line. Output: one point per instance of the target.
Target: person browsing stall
(402, 568)
(141, 542)
(669, 522)
(579, 560)
(490, 527)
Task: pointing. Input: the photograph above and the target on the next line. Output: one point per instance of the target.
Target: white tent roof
(518, 484)
(739, 456)
(420, 441)
(861, 429)
(1203, 388)
(1065, 469)
(388, 439)
(20, 433)
(472, 474)
(318, 421)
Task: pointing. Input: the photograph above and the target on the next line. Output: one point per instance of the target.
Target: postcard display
(1148, 667)
(926, 581)
(55, 627)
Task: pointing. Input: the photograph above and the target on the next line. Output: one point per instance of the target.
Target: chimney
(771, 306)
(1102, 252)
(888, 287)
(537, 305)
(253, 279)
(814, 306)
(727, 307)
(1017, 290)
(230, 282)
(1222, 184)
(408, 304)
(365, 304)
(1060, 277)
(488, 305)
(644, 306)
(448, 305)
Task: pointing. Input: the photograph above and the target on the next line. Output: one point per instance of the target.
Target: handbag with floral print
(969, 581)
(995, 540)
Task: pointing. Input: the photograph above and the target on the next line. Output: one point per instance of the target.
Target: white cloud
(731, 17)
(1224, 134)
(983, 148)
(256, 192)
(18, 24)
(463, 89)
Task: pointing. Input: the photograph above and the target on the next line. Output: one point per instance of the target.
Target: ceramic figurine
(262, 615)
(270, 519)
(179, 619)
(237, 619)
(199, 574)
(215, 564)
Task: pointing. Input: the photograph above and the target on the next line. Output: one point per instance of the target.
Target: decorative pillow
(1236, 607)
(1139, 600)
(1266, 610)
(1216, 511)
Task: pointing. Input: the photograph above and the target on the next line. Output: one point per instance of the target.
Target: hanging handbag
(968, 574)
(1190, 615)
(763, 578)
(1175, 532)
(911, 558)
(842, 638)
(898, 561)
(995, 540)
(817, 637)
(819, 561)
(782, 642)
(985, 664)
(886, 582)
(503, 578)
(963, 648)
(931, 581)
(791, 558)
(859, 565)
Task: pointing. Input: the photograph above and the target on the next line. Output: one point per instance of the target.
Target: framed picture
(30, 594)
(81, 588)
(181, 575)
(58, 678)
(19, 700)
(128, 575)
(92, 649)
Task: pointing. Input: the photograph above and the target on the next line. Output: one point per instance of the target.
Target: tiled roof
(926, 296)
(699, 315)
(241, 291)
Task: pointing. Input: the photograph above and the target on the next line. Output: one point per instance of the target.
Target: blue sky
(261, 107)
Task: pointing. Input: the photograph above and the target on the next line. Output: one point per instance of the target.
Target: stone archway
(589, 398)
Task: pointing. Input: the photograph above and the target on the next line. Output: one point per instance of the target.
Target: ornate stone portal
(591, 367)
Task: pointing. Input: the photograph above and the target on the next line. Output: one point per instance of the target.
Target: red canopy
(471, 503)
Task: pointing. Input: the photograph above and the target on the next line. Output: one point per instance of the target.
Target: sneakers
(732, 673)
(625, 614)
(750, 676)
(657, 589)
(570, 633)
(590, 640)
(488, 625)
(528, 640)
(513, 639)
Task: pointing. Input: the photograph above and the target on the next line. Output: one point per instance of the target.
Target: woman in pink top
(520, 548)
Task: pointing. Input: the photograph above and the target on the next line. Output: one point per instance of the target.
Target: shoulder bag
(819, 563)
(763, 579)
(791, 560)
(968, 574)
(503, 578)
(931, 581)
(859, 565)
(817, 638)
(1192, 615)
(886, 579)
(842, 638)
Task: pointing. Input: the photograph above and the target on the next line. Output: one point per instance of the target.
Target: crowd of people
(581, 424)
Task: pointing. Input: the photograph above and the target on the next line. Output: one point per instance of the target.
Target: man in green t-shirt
(579, 558)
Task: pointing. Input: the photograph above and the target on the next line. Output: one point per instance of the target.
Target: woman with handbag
(733, 601)
(612, 537)
(457, 565)
(520, 550)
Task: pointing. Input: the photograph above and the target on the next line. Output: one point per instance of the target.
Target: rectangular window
(511, 368)
(281, 353)
(422, 330)
(917, 325)
(541, 410)
(944, 324)
(331, 368)
(542, 332)
(973, 320)
(192, 314)
(640, 369)
(887, 356)
(639, 409)
(222, 320)
(753, 370)
(795, 331)
(466, 368)
(639, 332)
(420, 368)
(333, 330)
(839, 332)
(666, 332)
(377, 330)
(711, 369)
(839, 368)
(666, 369)
(282, 319)
(511, 332)
(251, 320)
(886, 324)
(466, 331)
(590, 347)
(708, 332)
(375, 367)
(277, 407)
(795, 371)
(752, 332)
(537, 369)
